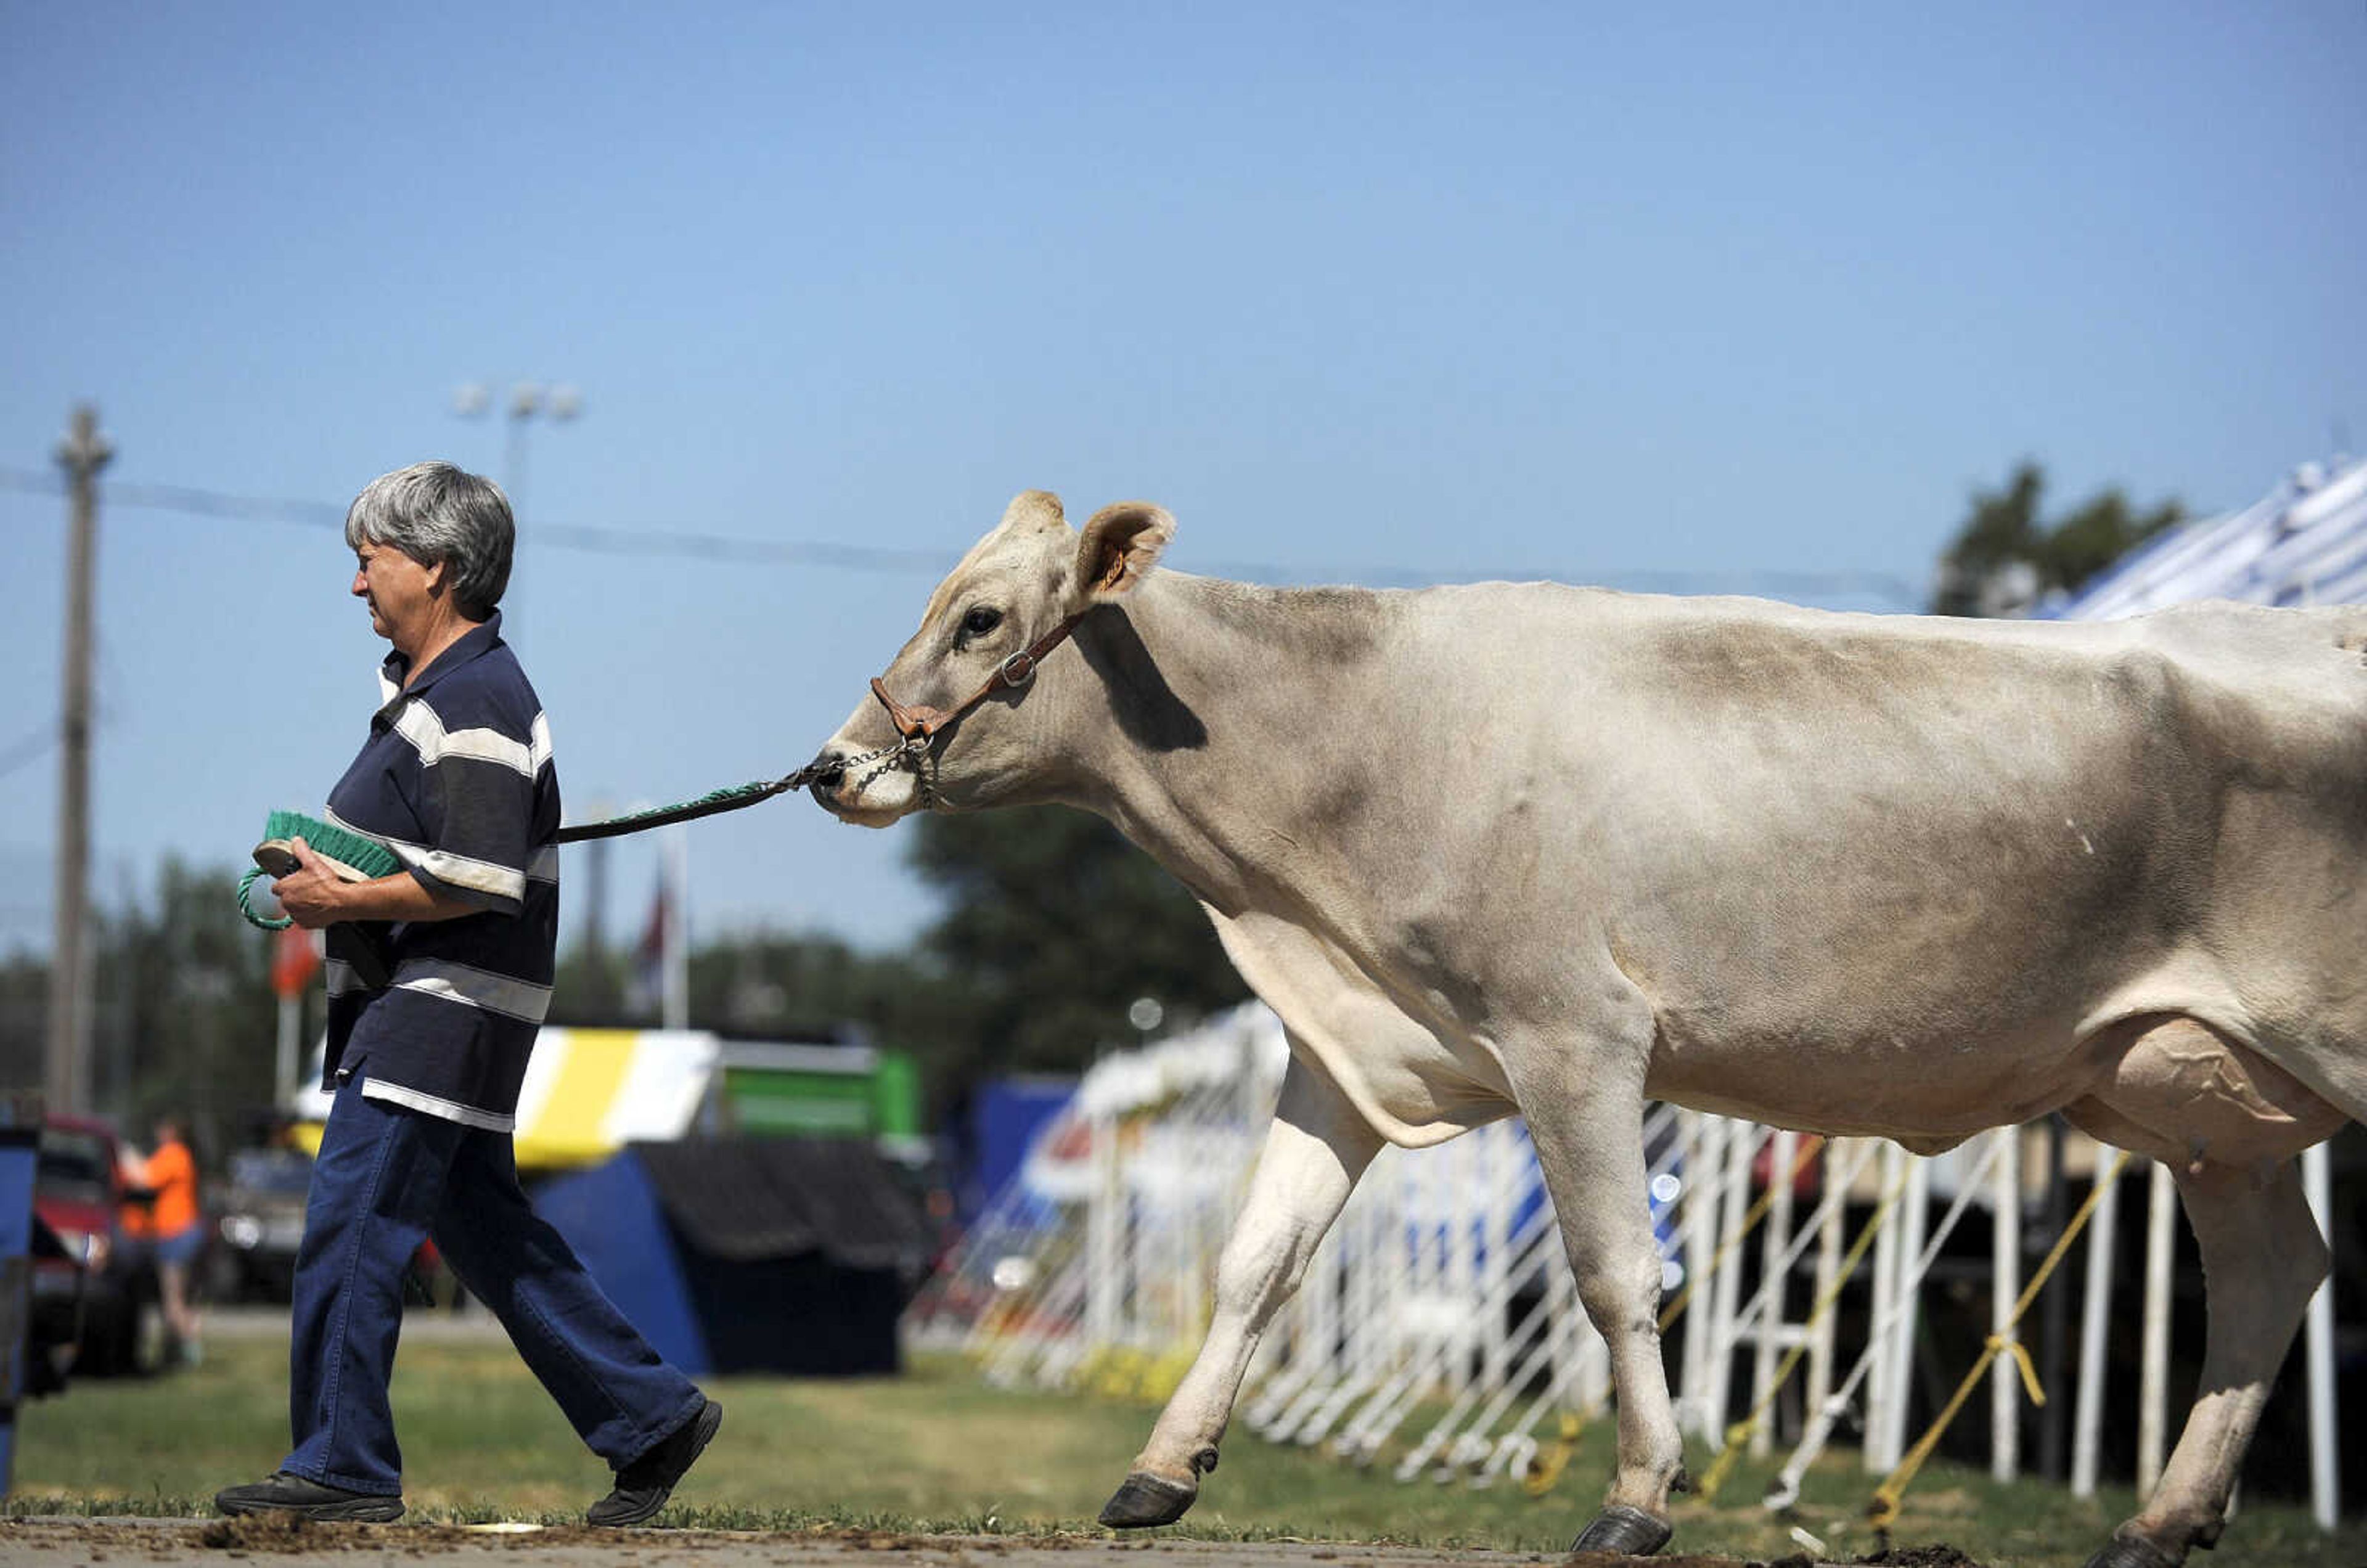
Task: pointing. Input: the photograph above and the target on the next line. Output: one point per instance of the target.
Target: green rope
(248, 909)
(706, 805)
(284, 824)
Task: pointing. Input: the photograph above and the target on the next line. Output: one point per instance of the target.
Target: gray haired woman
(438, 977)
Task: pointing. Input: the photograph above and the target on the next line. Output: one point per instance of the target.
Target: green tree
(1054, 926)
(182, 1013)
(2005, 557)
(185, 1019)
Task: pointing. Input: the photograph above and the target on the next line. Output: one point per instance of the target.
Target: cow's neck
(1218, 734)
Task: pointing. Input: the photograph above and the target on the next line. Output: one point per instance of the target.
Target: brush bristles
(365, 856)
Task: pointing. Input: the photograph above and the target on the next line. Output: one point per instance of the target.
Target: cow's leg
(2263, 1257)
(1316, 1148)
(1590, 1147)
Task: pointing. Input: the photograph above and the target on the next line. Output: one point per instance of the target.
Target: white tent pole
(1781, 1157)
(2005, 1286)
(1915, 1224)
(1725, 1288)
(1828, 1267)
(1878, 1395)
(2324, 1472)
(1706, 1142)
(2095, 1313)
(2153, 1373)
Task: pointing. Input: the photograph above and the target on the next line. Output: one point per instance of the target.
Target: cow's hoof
(1621, 1528)
(1146, 1500)
(2132, 1551)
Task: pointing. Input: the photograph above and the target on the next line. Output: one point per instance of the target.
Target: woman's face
(401, 592)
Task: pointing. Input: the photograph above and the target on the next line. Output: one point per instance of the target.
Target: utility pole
(83, 454)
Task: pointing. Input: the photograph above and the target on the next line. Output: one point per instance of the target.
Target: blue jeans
(387, 1178)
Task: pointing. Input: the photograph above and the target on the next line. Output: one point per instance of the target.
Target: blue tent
(730, 1255)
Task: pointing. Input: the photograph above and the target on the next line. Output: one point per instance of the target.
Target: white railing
(1437, 1327)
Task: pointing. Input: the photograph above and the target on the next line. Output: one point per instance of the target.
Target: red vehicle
(79, 1192)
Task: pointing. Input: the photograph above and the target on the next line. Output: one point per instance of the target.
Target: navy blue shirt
(456, 780)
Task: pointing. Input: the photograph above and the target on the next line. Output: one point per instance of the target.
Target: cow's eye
(980, 620)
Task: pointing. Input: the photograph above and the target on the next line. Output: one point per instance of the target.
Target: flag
(295, 959)
(647, 986)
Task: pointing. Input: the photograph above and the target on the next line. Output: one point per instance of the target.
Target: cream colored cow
(1559, 851)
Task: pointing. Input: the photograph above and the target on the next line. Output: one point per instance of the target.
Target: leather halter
(922, 723)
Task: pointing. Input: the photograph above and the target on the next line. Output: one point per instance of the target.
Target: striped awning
(2303, 543)
(587, 1093)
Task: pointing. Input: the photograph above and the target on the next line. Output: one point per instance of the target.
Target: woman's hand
(314, 896)
(310, 893)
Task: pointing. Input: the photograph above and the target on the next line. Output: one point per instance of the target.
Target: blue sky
(1360, 292)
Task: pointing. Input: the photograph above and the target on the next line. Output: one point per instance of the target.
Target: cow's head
(1015, 585)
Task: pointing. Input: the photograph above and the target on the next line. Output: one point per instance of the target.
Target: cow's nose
(827, 771)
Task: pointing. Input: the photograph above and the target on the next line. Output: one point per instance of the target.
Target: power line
(189, 500)
(27, 747)
(1883, 587)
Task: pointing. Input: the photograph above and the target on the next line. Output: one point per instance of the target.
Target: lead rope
(707, 805)
(735, 796)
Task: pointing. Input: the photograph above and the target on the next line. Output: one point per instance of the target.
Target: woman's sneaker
(281, 1493)
(644, 1486)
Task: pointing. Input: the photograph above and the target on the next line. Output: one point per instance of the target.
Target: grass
(938, 1451)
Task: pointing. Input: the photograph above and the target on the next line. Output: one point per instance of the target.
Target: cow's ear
(1119, 545)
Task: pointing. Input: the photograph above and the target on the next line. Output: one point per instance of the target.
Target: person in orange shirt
(174, 1229)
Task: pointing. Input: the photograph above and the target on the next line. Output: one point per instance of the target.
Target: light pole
(526, 401)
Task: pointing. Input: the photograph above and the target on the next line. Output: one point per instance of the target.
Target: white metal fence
(1438, 1330)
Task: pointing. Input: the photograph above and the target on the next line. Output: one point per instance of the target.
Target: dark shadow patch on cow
(1144, 705)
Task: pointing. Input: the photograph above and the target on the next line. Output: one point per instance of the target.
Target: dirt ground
(66, 1543)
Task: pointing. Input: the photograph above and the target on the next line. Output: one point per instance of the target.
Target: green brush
(351, 856)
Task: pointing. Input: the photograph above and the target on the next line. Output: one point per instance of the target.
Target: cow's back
(1883, 838)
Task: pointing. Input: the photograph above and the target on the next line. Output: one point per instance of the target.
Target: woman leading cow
(456, 778)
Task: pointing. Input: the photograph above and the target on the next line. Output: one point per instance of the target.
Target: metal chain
(888, 758)
(894, 753)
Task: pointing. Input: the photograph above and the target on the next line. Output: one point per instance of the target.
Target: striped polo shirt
(456, 780)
